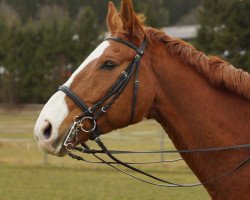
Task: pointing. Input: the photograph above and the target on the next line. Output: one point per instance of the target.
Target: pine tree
(178, 8)
(9, 34)
(88, 31)
(225, 30)
(157, 15)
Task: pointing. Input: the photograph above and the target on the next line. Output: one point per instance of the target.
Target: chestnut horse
(200, 101)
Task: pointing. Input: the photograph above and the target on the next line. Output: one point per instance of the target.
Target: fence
(28, 152)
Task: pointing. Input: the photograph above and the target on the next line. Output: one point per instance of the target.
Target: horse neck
(196, 114)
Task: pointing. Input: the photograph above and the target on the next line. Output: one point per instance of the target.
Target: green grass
(51, 182)
(24, 174)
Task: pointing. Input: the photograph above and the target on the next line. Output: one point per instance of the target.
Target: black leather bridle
(100, 107)
(92, 113)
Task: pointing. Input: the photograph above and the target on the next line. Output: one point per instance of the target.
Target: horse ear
(113, 20)
(132, 23)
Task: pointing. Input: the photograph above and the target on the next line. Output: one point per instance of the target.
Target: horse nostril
(47, 131)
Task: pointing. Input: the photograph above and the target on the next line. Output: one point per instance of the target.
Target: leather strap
(75, 98)
(140, 50)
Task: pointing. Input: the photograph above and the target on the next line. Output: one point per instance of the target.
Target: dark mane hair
(217, 71)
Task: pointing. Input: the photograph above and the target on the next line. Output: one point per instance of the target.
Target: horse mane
(217, 71)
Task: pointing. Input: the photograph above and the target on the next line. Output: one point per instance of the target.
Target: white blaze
(95, 54)
(56, 110)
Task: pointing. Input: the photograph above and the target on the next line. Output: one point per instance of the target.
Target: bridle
(91, 114)
(100, 107)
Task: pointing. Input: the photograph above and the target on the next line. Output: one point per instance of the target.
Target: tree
(178, 8)
(225, 30)
(9, 24)
(49, 49)
(37, 54)
(156, 15)
(42, 40)
(88, 31)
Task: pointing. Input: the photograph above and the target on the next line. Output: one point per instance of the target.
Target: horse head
(100, 74)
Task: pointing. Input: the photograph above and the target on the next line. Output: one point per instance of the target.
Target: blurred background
(42, 42)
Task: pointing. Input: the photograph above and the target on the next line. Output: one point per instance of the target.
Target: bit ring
(91, 129)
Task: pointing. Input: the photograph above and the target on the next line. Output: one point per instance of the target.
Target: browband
(139, 50)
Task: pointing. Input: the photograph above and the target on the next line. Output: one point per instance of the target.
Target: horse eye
(108, 65)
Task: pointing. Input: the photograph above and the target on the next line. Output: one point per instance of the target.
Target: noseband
(91, 114)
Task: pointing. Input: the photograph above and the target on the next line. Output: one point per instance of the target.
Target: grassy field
(25, 173)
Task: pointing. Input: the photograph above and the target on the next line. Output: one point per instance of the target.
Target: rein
(91, 114)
